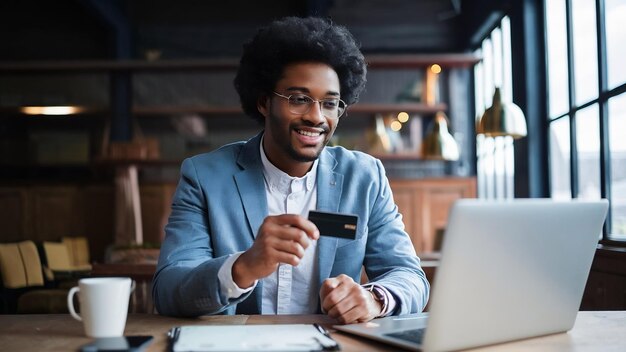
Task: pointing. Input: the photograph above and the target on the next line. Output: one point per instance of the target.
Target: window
(587, 104)
(495, 155)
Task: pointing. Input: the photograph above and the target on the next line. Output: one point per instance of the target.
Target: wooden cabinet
(424, 205)
(606, 285)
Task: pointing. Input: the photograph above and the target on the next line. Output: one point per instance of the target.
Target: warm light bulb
(435, 68)
(403, 117)
(396, 126)
(51, 110)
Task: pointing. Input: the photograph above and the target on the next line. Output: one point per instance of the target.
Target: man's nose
(315, 114)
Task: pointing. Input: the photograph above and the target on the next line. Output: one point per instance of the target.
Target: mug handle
(133, 284)
(70, 303)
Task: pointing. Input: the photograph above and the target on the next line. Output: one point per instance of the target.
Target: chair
(78, 249)
(23, 282)
(58, 265)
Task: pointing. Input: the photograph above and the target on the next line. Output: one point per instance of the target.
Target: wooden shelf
(374, 61)
(421, 60)
(120, 65)
(95, 162)
(173, 110)
(137, 162)
(397, 156)
(229, 110)
(406, 107)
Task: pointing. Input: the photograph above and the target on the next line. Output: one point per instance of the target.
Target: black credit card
(334, 224)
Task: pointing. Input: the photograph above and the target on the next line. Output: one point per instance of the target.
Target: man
(238, 239)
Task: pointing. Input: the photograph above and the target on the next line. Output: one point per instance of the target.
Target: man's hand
(348, 302)
(281, 239)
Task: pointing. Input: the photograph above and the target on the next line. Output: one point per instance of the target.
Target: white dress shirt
(289, 290)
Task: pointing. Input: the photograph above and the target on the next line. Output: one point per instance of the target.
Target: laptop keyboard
(414, 335)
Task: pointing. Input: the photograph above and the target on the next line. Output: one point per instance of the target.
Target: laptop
(509, 270)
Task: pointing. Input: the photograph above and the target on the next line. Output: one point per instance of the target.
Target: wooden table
(594, 331)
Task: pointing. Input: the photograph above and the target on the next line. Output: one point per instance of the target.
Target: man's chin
(307, 155)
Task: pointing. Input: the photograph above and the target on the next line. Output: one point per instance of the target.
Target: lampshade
(502, 119)
(439, 143)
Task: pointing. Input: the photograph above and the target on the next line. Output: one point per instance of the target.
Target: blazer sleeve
(186, 281)
(390, 258)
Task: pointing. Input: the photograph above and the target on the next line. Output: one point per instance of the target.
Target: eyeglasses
(300, 104)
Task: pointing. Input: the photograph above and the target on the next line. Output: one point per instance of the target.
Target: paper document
(291, 337)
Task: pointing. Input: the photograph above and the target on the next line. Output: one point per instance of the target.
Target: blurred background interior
(100, 101)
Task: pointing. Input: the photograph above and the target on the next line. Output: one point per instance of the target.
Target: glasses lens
(333, 108)
(301, 104)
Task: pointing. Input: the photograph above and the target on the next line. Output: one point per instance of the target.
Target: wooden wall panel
(56, 212)
(99, 208)
(155, 209)
(13, 214)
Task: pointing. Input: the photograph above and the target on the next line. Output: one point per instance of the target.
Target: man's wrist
(241, 275)
(228, 288)
(379, 297)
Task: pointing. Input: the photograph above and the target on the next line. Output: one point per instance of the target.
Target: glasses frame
(288, 98)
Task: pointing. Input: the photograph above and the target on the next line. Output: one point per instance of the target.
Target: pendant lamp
(502, 119)
(439, 143)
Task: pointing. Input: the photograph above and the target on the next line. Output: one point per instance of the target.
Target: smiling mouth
(309, 133)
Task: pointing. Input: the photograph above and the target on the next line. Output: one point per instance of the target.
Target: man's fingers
(286, 258)
(348, 315)
(327, 286)
(289, 247)
(345, 300)
(334, 291)
(299, 222)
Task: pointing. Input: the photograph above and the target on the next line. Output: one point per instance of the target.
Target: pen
(333, 345)
(172, 336)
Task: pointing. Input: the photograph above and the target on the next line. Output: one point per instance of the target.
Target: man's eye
(300, 99)
(331, 104)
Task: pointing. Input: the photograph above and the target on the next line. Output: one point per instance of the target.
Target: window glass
(557, 57)
(585, 50)
(560, 159)
(588, 148)
(479, 87)
(615, 11)
(617, 145)
(499, 166)
(496, 42)
(509, 155)
(488, 70)
(507, 78)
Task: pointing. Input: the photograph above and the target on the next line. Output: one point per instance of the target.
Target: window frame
(602, 101)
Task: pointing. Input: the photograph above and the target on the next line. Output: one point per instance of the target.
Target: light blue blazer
(220, 204)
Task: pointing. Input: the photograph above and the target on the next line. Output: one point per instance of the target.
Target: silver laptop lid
(511, 270)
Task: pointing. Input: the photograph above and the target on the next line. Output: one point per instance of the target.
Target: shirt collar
(280, 180)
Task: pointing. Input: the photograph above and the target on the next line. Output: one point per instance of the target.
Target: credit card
(334, 224)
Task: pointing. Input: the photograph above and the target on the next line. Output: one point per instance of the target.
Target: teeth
(309, 134)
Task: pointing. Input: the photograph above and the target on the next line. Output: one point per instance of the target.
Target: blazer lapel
(329, 187)
(250, 184)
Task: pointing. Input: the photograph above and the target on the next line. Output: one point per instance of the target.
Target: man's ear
(263, 105)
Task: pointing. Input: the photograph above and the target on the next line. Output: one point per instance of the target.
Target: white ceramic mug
(103, 304)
